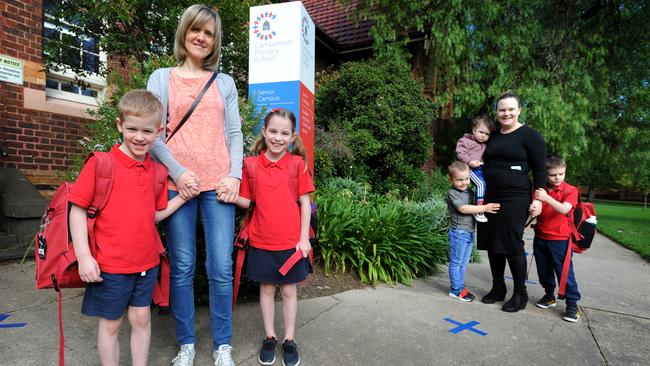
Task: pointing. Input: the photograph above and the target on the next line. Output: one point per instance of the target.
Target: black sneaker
(572, 314)
(547, 301)
(267, 352)
(290, 355)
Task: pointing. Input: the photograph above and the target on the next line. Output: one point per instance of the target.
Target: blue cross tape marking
(10, 325)
(467, 326)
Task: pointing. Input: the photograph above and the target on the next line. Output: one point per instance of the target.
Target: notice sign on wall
(11, 70)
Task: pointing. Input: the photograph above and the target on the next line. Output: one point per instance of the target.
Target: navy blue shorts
(111, 297)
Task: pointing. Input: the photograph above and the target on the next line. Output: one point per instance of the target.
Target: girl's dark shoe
(267, 352)
(497, 293)
(516, 303)
(290, 355)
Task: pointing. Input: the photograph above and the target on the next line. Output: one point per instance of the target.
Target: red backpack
(241, 241)
(56, 263)
(582, 220)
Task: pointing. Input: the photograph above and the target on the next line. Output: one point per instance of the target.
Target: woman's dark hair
(509, 94)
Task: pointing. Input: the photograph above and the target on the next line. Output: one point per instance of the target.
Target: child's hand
(492, 207)
(188, 185)
(474, 164)
(540, 194)
(221, 191)
(304, 246)
(89, 270)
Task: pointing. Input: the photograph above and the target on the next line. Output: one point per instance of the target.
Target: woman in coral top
(204, 154)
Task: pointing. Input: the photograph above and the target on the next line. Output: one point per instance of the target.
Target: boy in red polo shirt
(124, 269)
(552, 233)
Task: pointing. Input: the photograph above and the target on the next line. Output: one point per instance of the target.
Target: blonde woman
(204, 154)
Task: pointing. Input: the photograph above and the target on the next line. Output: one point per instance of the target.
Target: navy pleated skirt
(263, 266)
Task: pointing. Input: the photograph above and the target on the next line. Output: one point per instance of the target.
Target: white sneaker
(185, 356)
(222, 356)
(480, 217)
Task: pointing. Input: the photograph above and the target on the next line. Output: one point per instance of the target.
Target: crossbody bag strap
(192, 107)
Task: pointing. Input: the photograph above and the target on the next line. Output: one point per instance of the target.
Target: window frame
(64, 74)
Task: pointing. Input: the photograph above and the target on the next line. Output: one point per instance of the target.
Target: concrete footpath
(399, 325)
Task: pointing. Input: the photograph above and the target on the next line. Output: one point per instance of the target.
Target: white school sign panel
(281, 64)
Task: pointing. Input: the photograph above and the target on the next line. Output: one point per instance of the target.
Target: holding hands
(535, 207)
(228, 189)
(188, 185)
(541, 194)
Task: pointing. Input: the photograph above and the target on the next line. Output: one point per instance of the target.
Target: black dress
(508, 158)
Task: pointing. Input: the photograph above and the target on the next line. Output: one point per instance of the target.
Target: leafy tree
(138, 29)
(580, 66)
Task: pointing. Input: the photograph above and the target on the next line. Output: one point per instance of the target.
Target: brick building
(42, 120)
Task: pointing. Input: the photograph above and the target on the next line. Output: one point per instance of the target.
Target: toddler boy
(461, 230)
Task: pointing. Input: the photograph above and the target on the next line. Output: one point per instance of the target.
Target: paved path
(383, 326)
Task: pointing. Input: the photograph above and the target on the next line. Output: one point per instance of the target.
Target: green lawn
(627, 223)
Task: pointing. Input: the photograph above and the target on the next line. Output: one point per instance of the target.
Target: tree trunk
(590, 194)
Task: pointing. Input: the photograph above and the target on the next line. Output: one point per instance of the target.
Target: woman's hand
(188, 185)
(304, 246)
(535, 208)
(228, 189)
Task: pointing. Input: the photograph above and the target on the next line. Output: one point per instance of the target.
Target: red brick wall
(36, 140)
(39, 142)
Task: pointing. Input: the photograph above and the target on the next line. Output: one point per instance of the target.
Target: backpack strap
(161, 289)
(241, 241)
(250, 169)
(571, 245)
(294, 172)
(104, 174)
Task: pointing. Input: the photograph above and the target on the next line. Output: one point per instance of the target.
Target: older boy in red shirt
(124, 269)
(552, 233)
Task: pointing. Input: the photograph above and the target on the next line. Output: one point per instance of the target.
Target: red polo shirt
(551, 225)
(275, 224)
(125, 230)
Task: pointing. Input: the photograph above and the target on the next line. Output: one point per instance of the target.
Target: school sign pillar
(281, 64)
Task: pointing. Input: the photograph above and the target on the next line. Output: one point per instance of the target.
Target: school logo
(263, 26)
(304, 28)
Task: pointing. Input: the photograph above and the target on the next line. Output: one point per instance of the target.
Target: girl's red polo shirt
(125, 230)
(552, 225)
(275, 224)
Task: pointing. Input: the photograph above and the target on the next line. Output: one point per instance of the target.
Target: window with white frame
(76, 50)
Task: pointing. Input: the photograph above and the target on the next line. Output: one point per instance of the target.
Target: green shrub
(377, 111)
(435, 184)
(381, 238)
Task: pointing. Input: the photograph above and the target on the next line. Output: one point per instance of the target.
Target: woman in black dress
(511, 153)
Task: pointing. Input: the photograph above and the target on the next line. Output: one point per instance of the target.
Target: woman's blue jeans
(218, 225)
